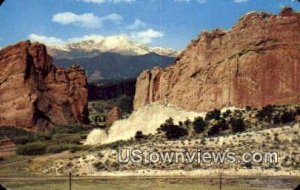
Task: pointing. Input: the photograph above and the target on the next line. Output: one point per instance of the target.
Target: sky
(164, 23)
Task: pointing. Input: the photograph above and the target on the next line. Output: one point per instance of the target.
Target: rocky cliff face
(256, 63)
(35, 94)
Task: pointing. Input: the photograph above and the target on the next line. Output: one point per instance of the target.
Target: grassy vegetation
(56, 140)
(37, 148)
(199, 132)
(12, 133)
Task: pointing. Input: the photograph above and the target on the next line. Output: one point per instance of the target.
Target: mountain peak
(92, 45)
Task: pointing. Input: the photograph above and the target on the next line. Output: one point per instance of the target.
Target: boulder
(113, 115)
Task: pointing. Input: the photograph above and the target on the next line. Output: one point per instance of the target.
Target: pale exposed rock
(147, 119)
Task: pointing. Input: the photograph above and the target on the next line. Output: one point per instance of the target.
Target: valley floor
(104, 161)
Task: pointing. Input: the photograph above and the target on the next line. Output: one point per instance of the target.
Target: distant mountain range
(114, 57)
(117, 66)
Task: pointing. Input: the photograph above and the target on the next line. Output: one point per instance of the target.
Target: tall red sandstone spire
(35, 94)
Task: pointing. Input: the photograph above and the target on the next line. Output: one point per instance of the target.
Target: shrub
(67, 139)
(266, 113)
(226, 114)
(32, 149)
(248, 108)
(222, 124)
(248, 165)
(99, 166)
(139, 135)
(172, 131)
(24, 139)
(67, 129)
(45, 136)
(53, 149)
(297, 110)
(213, 131)
(287, 117)
(199, 125)
(98, 119)
(187, 122)
(276, 119)
(181, 123)
(215, 114)
(13, 133)
(237, 125)
(170, 121)
(74, 148)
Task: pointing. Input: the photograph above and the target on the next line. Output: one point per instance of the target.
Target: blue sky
(166, 23)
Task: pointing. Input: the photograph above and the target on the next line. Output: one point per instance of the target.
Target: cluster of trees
(277, 115)
(213, 123)
(216, 122)
(171, 130)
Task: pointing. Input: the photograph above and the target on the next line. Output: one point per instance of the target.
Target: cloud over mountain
(146, 36)
(86, 20)
(92, 44)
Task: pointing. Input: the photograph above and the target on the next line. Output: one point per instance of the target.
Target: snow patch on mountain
(92, 45)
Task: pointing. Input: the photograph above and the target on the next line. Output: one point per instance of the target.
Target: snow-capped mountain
(109, 57)
(91, 46)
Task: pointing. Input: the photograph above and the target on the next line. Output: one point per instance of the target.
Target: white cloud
(94, 1)
(49, 40)
(136, 25)
(87, 20)
(121, 1)
(143, 37)
(109, 1)
(201, 1)
(112, 17)
(240, 1)
(187, 1)
(146, 36)
(93, 37)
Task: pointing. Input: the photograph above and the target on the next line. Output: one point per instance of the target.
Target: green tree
(171, 130)
(213, 131)
(215, 114)
(139, 135)
(287, 117)
(199, 125)
(265, 114)
(237, 125)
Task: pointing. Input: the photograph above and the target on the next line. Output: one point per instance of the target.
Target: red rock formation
(34, 93)
(113, 115)
(256, 63)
